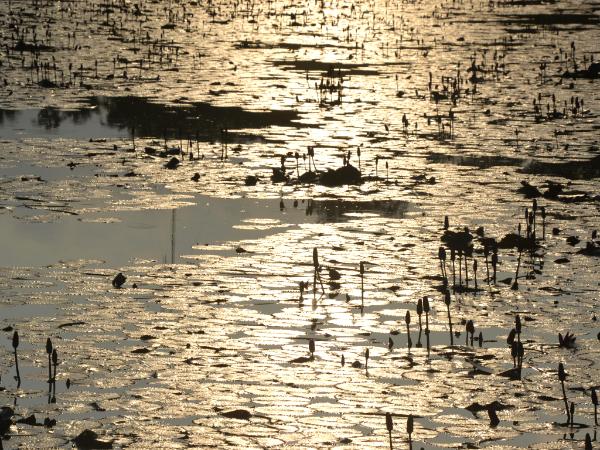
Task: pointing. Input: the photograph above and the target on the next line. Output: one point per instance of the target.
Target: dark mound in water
(341, 176)
(347, 174)
(512, 240)
(458, 240)
(309, 177)
(531, 191)
(528, 190)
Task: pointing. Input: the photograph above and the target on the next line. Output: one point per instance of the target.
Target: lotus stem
(447, 302)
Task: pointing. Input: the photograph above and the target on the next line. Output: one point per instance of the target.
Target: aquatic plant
(447, 302)
(562, 376)
(119, 280)
(419, 314)
(54, 363)
(494, 264)
(426, 311)
(15, 345)
(442, 258)
(361, 269)
(515, 284)
(543, 214)
(566, 341)
(469, 330)
(407, 321)
(410, 429)
(390, 426)
(595, 403)
(588, 442)
(49, 352)
(317, 270)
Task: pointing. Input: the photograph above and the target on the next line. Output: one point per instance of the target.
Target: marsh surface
(452, 104)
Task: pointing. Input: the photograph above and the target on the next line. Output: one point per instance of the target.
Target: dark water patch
(342, 211)
(23, 46)
(203, 119)
(572, 170)
(247, 44)
(517, 31)
(532, 2)
(326, 67)
(551, 19)
(480, 161)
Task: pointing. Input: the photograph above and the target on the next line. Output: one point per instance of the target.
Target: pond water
(186, 145)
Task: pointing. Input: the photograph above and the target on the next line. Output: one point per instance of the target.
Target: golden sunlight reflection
(330, 224)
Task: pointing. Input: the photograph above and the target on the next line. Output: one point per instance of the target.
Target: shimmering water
(453, 105)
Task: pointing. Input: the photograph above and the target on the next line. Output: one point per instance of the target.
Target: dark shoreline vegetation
(333, 224)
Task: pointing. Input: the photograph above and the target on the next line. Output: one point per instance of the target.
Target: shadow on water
(105, 115)
(201, 119)
(7, 115)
